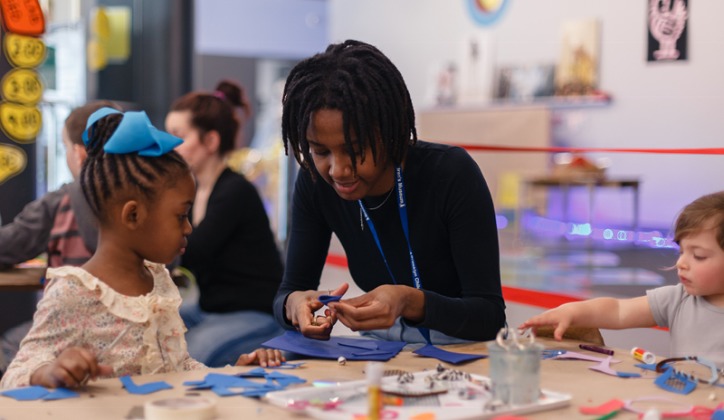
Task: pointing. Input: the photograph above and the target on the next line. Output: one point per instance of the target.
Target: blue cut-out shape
(60, 394)
(232, 385)
(447, 356)
(28, 393)
(144, 389)
(627, 374)
(326, 299)
(254, 373)
(673, 381)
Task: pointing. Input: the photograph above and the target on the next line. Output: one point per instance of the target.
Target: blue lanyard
(402, 207)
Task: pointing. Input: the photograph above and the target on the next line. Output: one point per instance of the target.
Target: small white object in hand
(342, 360)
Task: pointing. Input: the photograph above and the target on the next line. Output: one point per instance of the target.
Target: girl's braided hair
(108, 177)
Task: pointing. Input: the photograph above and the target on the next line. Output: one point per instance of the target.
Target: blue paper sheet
(447, 356)
(360, 345)
(646, 366)
(295, 342)
(144, 389)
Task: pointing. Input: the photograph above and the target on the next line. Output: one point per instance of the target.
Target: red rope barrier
(495, 148)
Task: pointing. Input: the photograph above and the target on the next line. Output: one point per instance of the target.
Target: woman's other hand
(301, 306)
(380, 308)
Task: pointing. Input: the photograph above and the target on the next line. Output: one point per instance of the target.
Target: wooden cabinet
(523, 126)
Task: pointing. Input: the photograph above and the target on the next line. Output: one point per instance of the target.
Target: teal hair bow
(135, 134)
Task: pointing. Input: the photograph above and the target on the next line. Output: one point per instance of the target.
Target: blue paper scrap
(627, 374)
(29, 393)
(287, 365)
(335, 347)
(34, 393)
(230, 385)
(254, 373)
(144, 389)
(326, 299)
(646, 366)
(60, 394)
(447, 356)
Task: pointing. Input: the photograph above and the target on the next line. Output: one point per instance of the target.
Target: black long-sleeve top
(232, 251)
(453, 236)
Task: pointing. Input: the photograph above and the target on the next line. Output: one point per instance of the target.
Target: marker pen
(596, 349)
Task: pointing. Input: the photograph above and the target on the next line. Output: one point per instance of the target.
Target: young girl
(415, 218)
(693, 310)
(141, 192)
(232, 251)
(60, 223)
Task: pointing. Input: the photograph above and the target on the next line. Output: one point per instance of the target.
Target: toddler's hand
(70, 369)
(262, 357)
(559, 318)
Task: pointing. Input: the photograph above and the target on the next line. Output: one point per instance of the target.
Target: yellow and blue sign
(12, 161)
(20, 123)
(486, 12)
(22, 86)
(24, 51)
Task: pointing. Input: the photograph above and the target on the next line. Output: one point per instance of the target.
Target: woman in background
(231, 252)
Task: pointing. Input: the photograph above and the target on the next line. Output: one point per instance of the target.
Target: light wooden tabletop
(105, 399)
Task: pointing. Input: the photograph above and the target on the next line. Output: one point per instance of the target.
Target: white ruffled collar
(156, 313)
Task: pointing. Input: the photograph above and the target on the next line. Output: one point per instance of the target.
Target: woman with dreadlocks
(415, 218)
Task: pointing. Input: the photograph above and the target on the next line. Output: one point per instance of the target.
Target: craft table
(105, 399)
(16, 279)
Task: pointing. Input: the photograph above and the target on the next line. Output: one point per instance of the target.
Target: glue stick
(643, 355)
(374, 390)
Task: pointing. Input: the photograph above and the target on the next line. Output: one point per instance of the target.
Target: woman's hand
(71, 369)
(380, 307)
(262, 357)
(302, 305)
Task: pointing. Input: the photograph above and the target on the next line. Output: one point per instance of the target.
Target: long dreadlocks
(361, 82)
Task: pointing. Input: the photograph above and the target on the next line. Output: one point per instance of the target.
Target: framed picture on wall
(524, 83)
(578, 65)
(667, 22)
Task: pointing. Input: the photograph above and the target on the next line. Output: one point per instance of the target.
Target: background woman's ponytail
(216, 111)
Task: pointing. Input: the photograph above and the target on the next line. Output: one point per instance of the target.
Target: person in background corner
(350, 123)
(59, 223)
(232, 251)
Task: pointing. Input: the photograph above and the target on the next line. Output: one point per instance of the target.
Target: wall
(660, 105)
(260, 28)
